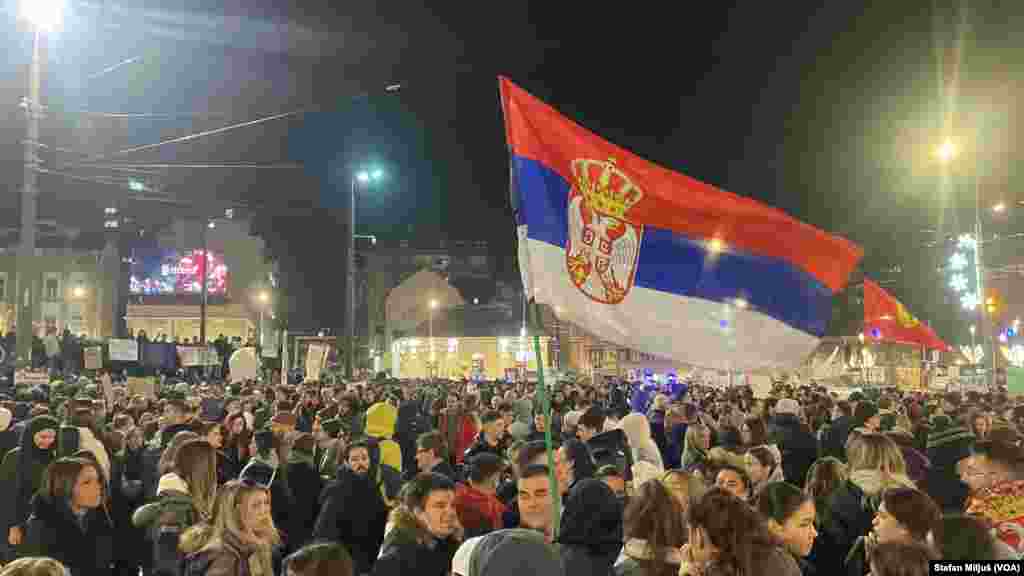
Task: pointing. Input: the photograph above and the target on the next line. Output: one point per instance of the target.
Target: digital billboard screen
(173, 272)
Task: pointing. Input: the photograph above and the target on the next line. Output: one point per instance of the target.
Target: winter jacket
(481, 446)
(305, 485)
(833, 437)
(636, 550)
(85, 546)
(380, 424)
(353, 513)
(798, 446)
(409, 549)
(852, 509)
(590, 533)
(228, 557)
(164, 521)
(459, 429)
(479, 512)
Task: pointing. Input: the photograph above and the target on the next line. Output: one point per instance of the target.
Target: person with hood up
(305, 485)
(423, 531)
(590, 533)
(476, 501)
(798, 446)
(510, 552)
(638, 432)
(573, 464)
(69, 521)
(948, 445)
(876, 464)
(352, 510)
(185, 497)
(380, 424)
(25, 467)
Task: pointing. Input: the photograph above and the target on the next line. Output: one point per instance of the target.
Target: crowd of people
(442, 477)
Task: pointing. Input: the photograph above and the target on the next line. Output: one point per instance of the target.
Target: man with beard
(352, 510)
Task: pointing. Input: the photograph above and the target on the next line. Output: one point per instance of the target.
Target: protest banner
(123, 350)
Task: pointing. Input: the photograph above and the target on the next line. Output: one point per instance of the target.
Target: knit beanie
(948, 442)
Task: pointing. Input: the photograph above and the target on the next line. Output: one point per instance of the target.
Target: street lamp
(364, 177)
(946, 153)
(78, 292)
(262, 299)
(43, 16)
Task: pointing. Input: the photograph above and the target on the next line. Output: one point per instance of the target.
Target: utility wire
(191, 137)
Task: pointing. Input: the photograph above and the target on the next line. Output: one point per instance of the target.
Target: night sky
(831, 114)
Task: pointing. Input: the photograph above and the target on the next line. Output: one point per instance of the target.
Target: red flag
(885, 318)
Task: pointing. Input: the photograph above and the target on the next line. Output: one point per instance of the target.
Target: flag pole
(545, 400)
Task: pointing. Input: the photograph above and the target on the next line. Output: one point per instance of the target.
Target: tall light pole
(947, 153)
(43, 16)
(433, 306)
(359, 177)
(262, 298)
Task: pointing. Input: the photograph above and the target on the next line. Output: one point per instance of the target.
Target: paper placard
(198, 356)
(123, 350)
(93, 358)
(108, 389)
(316, 356)
(31, 378)
(144, 386)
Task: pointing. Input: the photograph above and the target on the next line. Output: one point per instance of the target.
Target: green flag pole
(545, 400)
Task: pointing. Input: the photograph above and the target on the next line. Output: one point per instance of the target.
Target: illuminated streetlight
(947, 151)
(999, 208)
(264, 296)
(716, 245)
(211, 225)
(78, 292)
(741, 303)
(136, 186)
(363, 177)
(972, 329)
(433, 304)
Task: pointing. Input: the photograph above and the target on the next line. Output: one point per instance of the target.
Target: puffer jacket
(853, 506)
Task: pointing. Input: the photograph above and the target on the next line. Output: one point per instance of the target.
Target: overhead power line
(191, 137)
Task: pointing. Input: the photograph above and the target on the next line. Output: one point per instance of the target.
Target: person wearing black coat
(797, 445)
(590, 534)
(24, 468)
(415, 546)
(69, 521)
(352, 509)
(305, 485)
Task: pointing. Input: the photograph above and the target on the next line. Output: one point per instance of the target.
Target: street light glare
(947, 151)
(264, 296)
(378, 174)
(433, 304)
(999, 208)
(363, 177)
(46, 15)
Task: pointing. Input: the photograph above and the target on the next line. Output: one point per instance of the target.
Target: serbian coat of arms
(603, 245)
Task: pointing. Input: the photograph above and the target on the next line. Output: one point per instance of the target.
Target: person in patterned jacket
(995, 475)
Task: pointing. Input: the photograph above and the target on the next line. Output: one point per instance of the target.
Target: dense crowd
(436, 478)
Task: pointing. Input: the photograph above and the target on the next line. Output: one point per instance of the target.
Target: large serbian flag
(653, 260)
(886, 319)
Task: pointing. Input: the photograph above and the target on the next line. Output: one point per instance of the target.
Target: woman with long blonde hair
(242, 537)
(875, 465)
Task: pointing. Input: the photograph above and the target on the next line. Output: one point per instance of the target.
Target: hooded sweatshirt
(513, 552)
(380, 424)
(590, 533)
